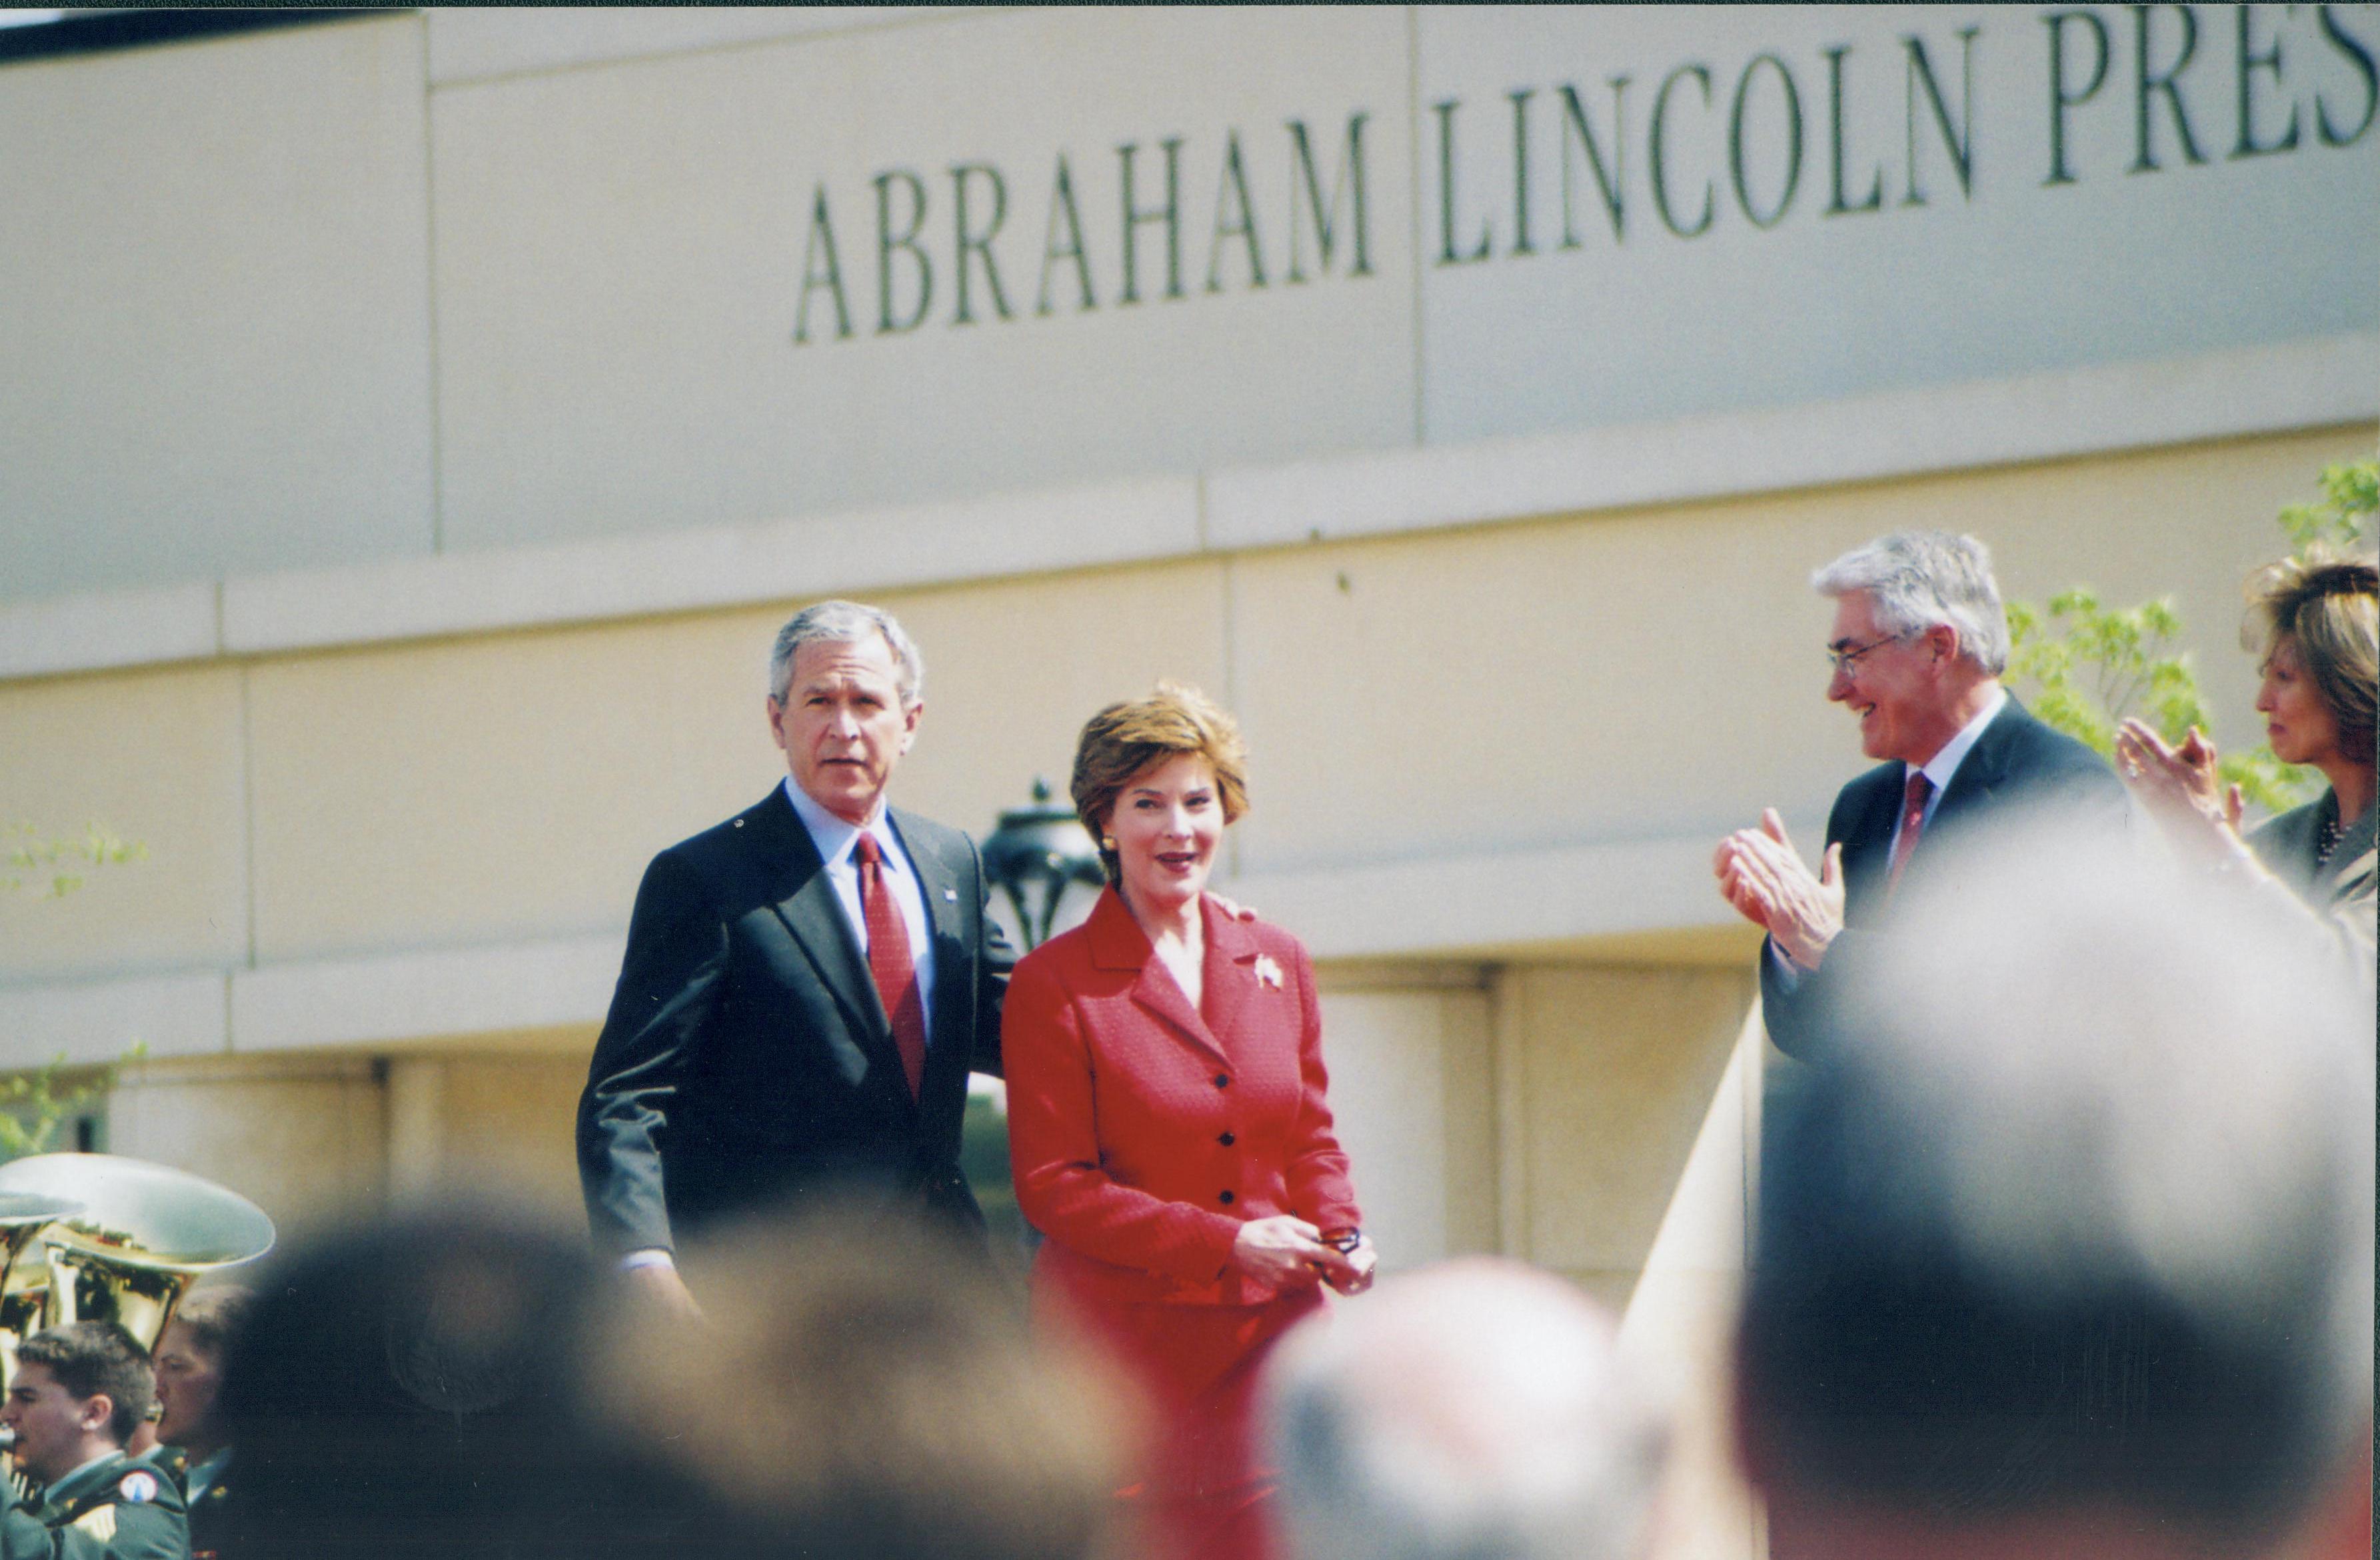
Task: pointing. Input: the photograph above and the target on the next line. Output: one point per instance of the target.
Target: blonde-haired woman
(1168, 1125)
(2317, 622)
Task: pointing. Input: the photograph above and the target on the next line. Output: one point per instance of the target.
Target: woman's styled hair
(1126, 740)
(2328, 605)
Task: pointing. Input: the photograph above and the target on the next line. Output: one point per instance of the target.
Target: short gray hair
(1919, 578)
(841, 622)
(1479, 1409)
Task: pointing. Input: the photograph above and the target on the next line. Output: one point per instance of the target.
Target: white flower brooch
(1267, 972)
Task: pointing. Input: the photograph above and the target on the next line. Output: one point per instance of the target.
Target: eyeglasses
(1847, 660)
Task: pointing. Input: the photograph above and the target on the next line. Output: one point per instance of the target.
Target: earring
(1107, 842)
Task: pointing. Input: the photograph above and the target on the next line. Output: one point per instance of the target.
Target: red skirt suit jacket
(1143, 1132)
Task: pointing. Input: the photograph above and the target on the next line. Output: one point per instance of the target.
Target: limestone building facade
(415, 425)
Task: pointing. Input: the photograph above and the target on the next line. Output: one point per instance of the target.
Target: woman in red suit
(1168, 1126)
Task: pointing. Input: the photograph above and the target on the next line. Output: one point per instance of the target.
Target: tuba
(101, 1237)
(23, 1215)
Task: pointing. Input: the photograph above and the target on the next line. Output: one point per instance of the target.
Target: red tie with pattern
(1913, 821)
(889, 961)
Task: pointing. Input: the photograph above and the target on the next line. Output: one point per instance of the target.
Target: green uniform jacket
(118, 1508)
(207, 1504)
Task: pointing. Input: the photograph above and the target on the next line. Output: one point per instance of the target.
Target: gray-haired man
(806, 985)
(1919, 642)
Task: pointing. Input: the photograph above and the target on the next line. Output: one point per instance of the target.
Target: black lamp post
(1034, 855)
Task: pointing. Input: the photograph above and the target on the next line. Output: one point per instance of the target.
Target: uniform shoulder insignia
(137, 1486)
(98, 1522)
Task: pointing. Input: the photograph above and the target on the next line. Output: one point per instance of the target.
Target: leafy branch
(2344, 519)
(55, 868)
(33, 1104)
(2090, 665)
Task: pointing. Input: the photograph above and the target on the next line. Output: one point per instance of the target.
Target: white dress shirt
(835, 839)
(1944, 764)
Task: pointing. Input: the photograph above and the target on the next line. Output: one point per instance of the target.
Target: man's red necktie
(889, 961)
(1913, 821)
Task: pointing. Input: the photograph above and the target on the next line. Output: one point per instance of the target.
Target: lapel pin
(1267, 972)
(952, 894)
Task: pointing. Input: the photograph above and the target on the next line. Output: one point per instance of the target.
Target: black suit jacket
(2017, 765)
(747, 1060)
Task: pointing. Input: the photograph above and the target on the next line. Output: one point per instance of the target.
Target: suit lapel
(1118, 943)
(1867, 844)
(1230, 974)
(1157, 992)
(1973, 784)
(1981, 773)
(815, 917)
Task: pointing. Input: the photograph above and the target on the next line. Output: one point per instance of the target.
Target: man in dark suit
(806, 985)
(1920, 640)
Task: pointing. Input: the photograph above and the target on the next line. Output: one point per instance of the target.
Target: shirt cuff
(1789, 972)
(650, 1256)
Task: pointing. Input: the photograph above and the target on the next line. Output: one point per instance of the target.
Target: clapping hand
(1764, 878)
(2179, 787)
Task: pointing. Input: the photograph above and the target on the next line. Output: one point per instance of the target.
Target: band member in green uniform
(80, 1392)
(189, 1366)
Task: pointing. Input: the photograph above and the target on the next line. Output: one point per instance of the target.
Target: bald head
(1478, 1408)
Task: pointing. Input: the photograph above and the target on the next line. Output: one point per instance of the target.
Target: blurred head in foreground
(859, 1393)
(2069, 1251)
(1475, 1410)
(404, 1389)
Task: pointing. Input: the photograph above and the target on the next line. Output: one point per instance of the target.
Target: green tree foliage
(33, 1104)
(2350, 499)
(55, 868)
(2084, 666)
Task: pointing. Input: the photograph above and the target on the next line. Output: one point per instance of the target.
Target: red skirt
(1204, 1490)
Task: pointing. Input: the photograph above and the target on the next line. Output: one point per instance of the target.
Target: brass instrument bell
(23, 1215)
(120, 1240)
